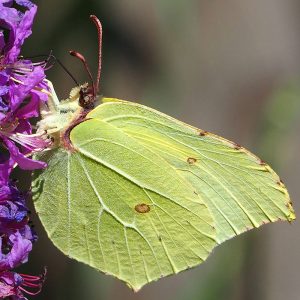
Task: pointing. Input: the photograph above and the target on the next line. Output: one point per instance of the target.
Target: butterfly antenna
(82, 59)
(65, 69)
(99, 29)
(48, 64)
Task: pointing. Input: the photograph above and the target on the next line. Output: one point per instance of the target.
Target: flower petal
(6, 166)
(2, 41)
(25, 3)
(30, 110)
(18, 254)
(23, 30)
(20, 250)
(3, 78)
(9, 282)
(24, 162)
(9, 19)
(19, 92)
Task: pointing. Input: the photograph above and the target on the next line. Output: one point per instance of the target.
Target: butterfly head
(87, 97)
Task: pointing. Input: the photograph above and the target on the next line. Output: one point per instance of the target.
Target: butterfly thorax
(58, 117)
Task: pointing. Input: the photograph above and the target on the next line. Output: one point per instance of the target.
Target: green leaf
(140, 195)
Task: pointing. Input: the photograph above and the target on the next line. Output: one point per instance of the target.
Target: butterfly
(140, 195)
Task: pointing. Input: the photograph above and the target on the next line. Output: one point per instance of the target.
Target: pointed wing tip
(137, 289)
(292, 216)
(134, 287)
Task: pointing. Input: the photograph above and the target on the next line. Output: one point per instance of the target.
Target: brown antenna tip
(83, 60)
(78, 55)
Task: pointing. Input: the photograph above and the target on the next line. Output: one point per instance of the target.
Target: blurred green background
(229, 67)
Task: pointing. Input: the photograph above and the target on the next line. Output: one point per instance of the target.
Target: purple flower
(16, 239)
(15, 285)
(16, 236)
(15, 250)
(13, 210)
(9, 285)
(22, 88)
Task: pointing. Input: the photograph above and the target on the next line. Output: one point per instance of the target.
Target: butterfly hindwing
(117, 206)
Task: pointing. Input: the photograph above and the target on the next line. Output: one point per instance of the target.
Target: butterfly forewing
(240, 190)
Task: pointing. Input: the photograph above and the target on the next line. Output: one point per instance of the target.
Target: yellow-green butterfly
(139, 195)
